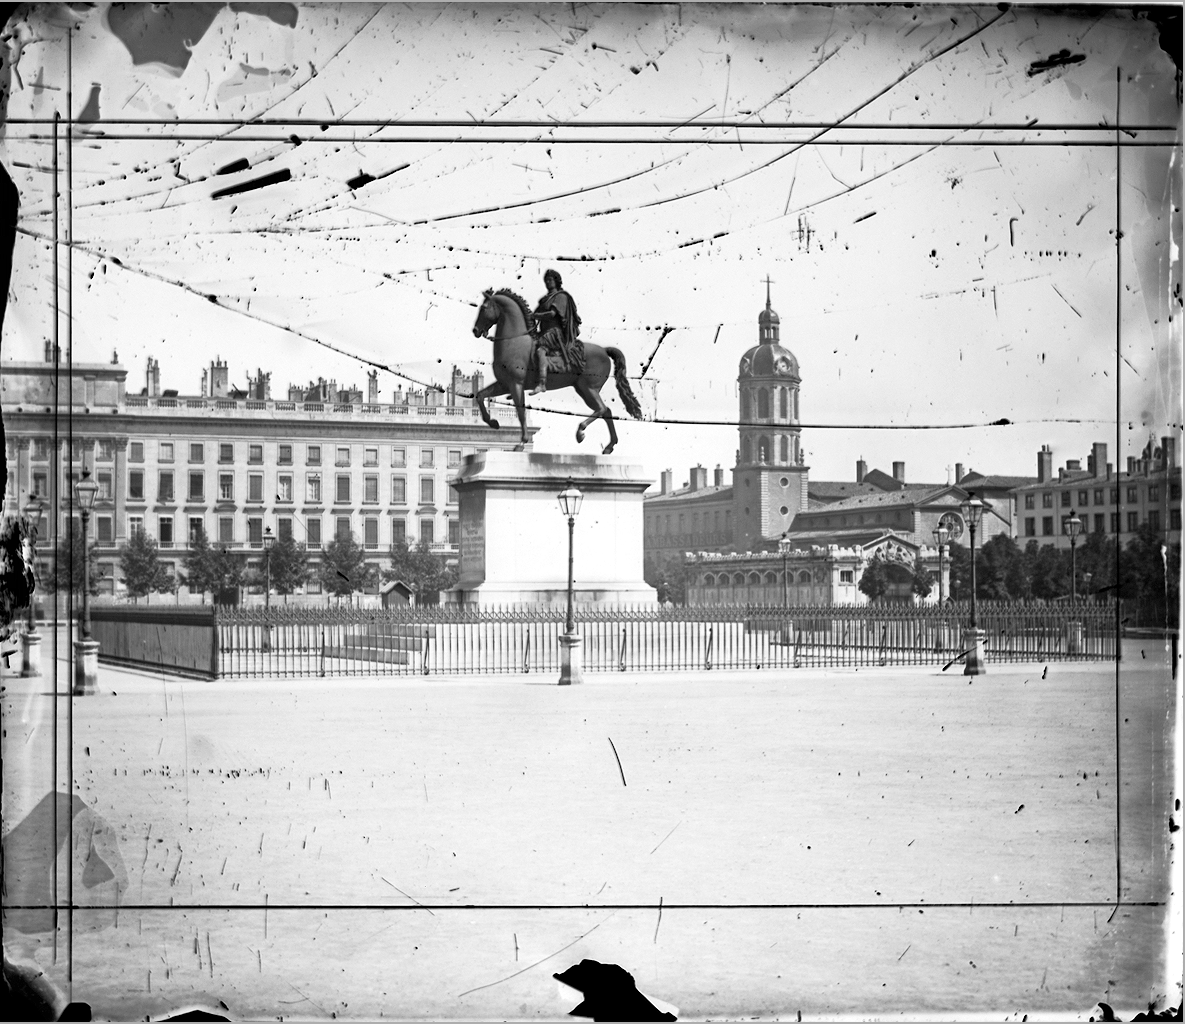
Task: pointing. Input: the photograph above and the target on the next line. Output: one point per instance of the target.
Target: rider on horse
(559, 331)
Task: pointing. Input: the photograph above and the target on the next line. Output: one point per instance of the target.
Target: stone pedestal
(973, 641)
(571, 659)
(1074, 638)
(31, 654)
(514, 539)
(86, 667)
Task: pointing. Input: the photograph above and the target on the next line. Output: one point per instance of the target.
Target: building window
(783, 403)
(313, 531)
(370, 489)
(284, 529)
(427, 488)
(226, 487)
(846, 576)
(165, 531)
(1154, 519)
(226, 452)
(1098, 495)
(399, 457)
(398, 490)
(763, 403)
(427, 532)
(746, 451)
(313, 585)
(1114, 522)
(136, 451)
(342, 528)
(343, 489)
(197, 486)
(427, 458)
(313, 488)
(1047, 500)
(105, 452)
(370, 456)
(343, 456)
(398, 532)
(1153, 492)
(370, 528)
(452, 496)
(1174, 519)
(255, 454)
(255, 487)
(1133, 522)
(103, 479)
(41, 484)
(454, 532)
(165, 451)
(1030, 526)
(1133, 495)
(197, 452)
(454, 457)
(164, 491)
(284, 458)
(1100, 523)
(1114, 495)
(226, 530)
(103, 532)
(313, 455)
(1047, 526)
(255, 532)
(284, 487)
(196, 529)
(135, 525)
(1174, 492)
(1082, 496)
(41, 449)
(1029, 503)
(785, 448)
(1066, 496)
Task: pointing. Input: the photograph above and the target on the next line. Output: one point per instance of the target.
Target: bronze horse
(514, 370)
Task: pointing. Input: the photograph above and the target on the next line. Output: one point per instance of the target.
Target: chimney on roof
(1131, 465)
(899, 472)
(667, 480)
(699, 478)
(861, 470)
(1045, 464)
(1097, 458)
(1073, 465)
(1109, 470)
(1168, 451)
(718, 476)
(372, 386)
(219, 379)
(153, 378)
(958, 471)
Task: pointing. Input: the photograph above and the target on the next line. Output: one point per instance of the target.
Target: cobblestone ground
(871, 843)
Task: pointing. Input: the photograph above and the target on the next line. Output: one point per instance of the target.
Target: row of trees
(341, 569)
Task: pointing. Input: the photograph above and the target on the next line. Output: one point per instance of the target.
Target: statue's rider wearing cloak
(558, 347)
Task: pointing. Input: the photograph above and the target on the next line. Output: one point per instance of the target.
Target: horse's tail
(628, 398)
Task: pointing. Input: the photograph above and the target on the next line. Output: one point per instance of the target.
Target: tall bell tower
(770, 478)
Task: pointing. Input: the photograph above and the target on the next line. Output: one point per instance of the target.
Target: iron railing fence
(449, 640)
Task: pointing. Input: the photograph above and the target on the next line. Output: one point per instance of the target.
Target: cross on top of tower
(768, 282)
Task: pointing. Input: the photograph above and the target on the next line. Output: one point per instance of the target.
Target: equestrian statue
(542, 351)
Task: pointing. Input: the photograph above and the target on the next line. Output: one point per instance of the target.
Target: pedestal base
(973, 641)
(31, 654)
(571, 659)
(86, 667)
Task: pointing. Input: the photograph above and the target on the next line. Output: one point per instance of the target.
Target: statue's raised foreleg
(494, 390)
(592, 398)
(517, 394)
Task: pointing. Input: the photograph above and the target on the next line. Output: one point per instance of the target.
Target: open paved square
(827, 842)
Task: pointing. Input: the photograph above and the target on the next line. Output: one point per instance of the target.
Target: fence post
(797, 643)
(621, 657)
(884, 644)
(708, 657)
(527, 651)
(321, 670)
(427, 640)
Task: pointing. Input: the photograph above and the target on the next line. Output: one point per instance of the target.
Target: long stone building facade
(321, 463)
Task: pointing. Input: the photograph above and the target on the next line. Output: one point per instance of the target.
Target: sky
(931, 195)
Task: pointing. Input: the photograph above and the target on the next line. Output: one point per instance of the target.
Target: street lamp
(972, 510)
(1073, 527)
(86, 650)
(31, 648)
(268, 541)
(784, 549)
(570, 500)
(941, 536)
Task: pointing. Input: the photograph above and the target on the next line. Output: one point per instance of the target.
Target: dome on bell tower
(768, 358)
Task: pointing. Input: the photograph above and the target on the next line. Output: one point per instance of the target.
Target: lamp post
(268, 541)
(973, 639)
(941, 536)
(86, 650)
(1073, 527)
(570, 499)
(31, 647)
(784, 550)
